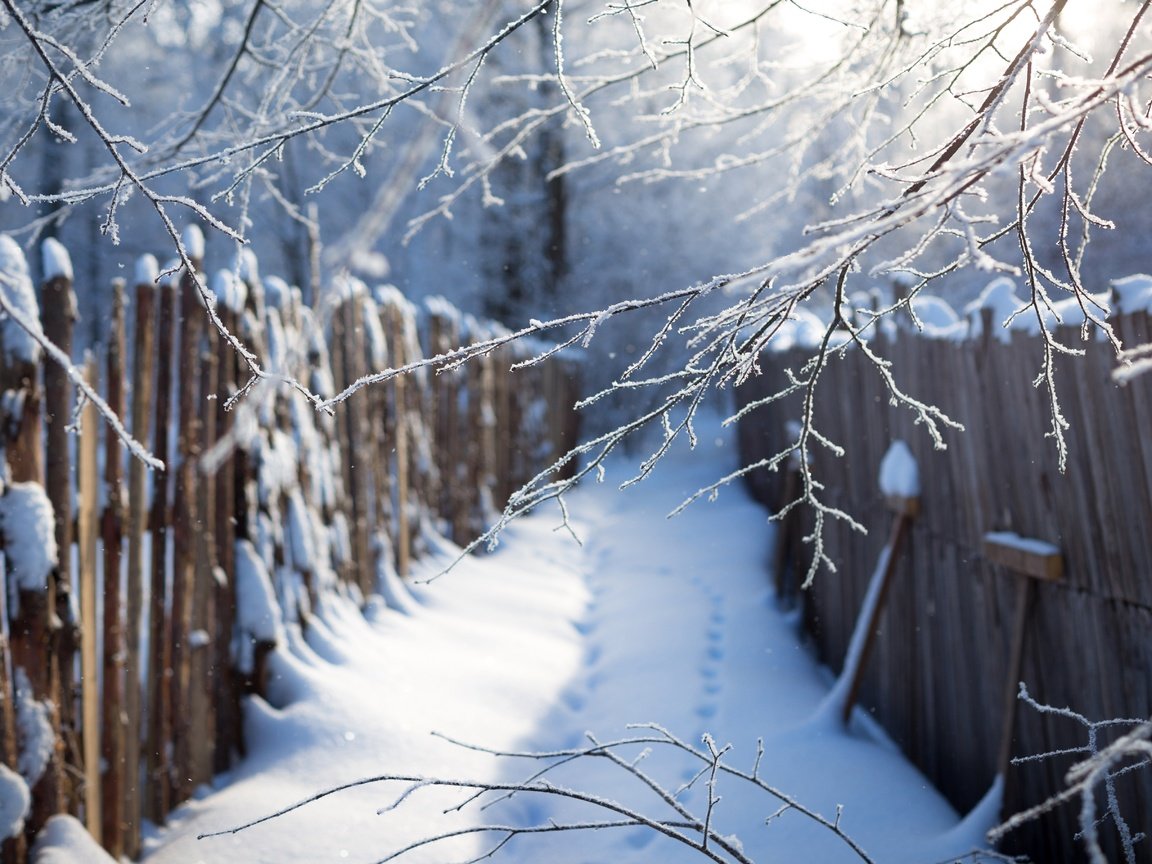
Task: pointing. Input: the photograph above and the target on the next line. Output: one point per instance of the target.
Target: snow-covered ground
(667, 622)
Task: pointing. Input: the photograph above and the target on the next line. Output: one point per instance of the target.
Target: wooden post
(143, 364)
(59, 315)
(400, 418)
(87, 522)
(1030, 560)
(159, 647)
(226, 696)
(202, 668)
(904, 511)
(184, 547)
(115, 707)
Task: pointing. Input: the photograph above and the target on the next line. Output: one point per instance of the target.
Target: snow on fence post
(159, 705)
(143, 365)
(87, 523)
(114, 743)
(59, 317)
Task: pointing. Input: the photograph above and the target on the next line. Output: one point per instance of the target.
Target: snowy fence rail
(938, 671)
(118, 696)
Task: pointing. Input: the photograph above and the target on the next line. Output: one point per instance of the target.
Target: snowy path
(650, 621)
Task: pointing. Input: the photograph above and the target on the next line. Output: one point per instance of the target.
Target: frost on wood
(34, 731)
(258, 615)
(15, 282)
(14, 802)
(899, 473)
(28, 525)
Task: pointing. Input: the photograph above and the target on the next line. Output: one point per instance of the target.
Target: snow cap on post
(28, 525)
(999, 297)
(899, 474)
(230, 292)
(277, 294)
(56, 260)
(147, 270)
(193, 241)
(900, 480)
(19, 293)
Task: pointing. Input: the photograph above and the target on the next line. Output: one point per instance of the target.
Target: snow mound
(64, 840)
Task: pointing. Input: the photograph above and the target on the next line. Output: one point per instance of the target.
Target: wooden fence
(122, 670)
(940, 664)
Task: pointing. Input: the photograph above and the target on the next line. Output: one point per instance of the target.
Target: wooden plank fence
(938, 672)
(144, 582)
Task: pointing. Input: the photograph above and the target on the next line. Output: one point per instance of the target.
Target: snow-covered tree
(727, 164)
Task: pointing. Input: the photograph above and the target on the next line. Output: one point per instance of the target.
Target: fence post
(1029, 560)
(159, 647)
(59, 315)
(87, 522)
(143, 332)
(185, 514)
(904, 510)
(114, 742)
(226, 693)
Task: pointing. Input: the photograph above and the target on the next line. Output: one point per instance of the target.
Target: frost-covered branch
(676, 822)
(1099, 766)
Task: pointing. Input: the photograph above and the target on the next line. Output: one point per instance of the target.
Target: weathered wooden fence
(126, 653)
(937, 676)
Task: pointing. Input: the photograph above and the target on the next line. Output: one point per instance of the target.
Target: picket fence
(121, 678)
(937, 678)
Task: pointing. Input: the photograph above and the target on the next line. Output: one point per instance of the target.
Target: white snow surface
(649, 621)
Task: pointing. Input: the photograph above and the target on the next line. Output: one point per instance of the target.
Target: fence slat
(114, 717)
(88, 579)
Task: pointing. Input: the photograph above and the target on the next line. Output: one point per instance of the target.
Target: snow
(257, 615)
(651, 620)
(899, 474)
(17, 287)
(1024, 544)
(28, 525)
(277, 293)
(56, 260)
(1133, 293)
(193, 241)
(37, 740)
(231, 293)
(64, 840)
(1000, 298)
(15, 800)
(147, 270)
